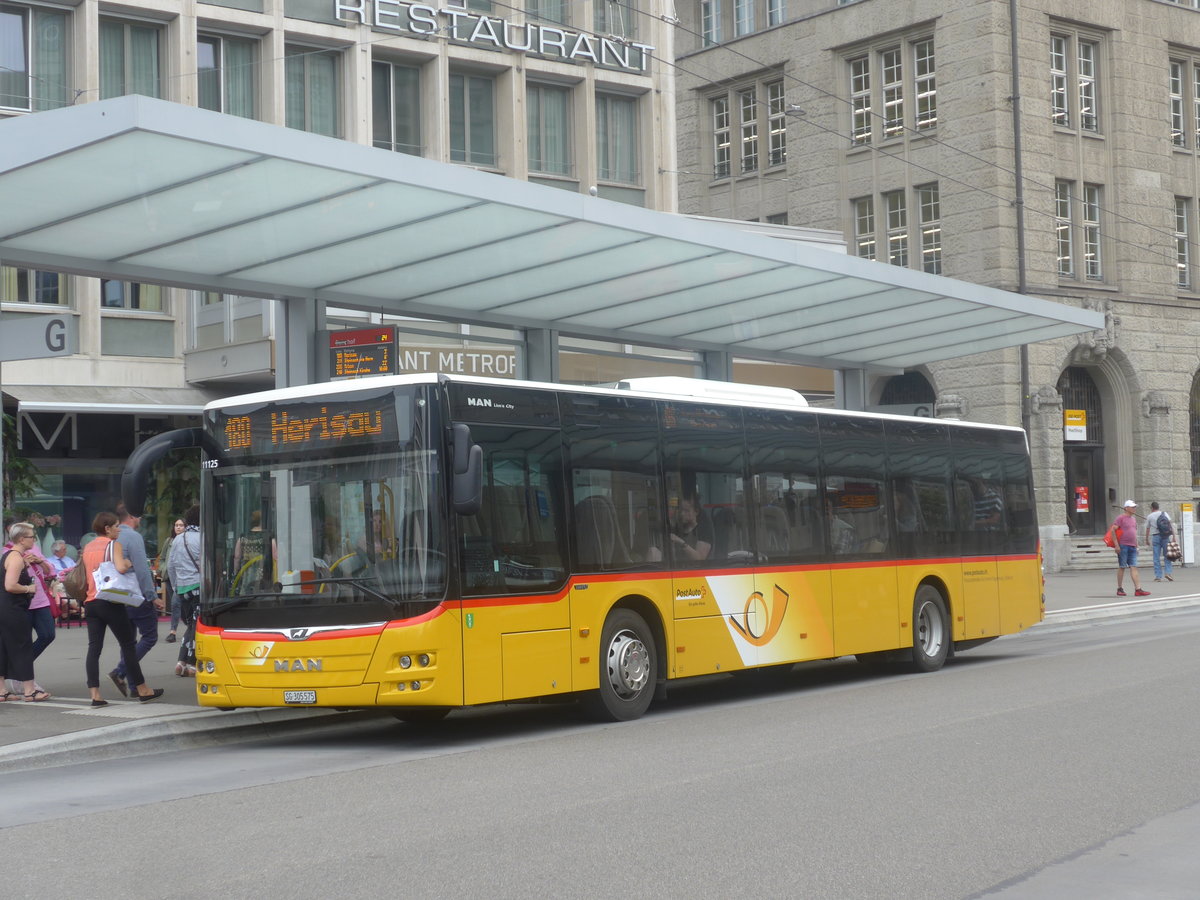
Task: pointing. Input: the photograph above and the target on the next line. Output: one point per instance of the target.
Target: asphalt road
(1050, 761)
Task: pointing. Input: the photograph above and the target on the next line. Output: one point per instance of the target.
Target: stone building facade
(1076, 179)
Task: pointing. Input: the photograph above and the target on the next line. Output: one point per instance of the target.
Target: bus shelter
(145, 190)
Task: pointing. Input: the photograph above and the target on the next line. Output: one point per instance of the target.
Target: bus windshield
(314, 525)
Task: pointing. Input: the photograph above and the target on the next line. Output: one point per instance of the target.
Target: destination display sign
(308, 427)
(366, 351)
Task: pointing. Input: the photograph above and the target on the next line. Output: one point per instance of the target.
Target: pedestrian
(1125, 534)
(16, 646)
(184, 571)
(41, 611)
(144, 616)
(170, 595)
(1159, 531)
(104, 614)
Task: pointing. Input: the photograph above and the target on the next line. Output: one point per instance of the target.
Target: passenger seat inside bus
(597, 535)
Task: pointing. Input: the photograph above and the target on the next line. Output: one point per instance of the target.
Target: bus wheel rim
(628, 664)
(929, 626)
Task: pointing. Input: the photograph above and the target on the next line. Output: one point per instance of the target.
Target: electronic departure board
(312, 427)
(366, 351)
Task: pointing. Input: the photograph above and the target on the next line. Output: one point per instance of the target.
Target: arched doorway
(1083, 452)
(909, 394)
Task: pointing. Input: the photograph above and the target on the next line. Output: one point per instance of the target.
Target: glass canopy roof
(145, 190)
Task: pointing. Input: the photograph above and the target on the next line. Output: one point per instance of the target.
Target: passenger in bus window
(841, 533)
(689, 539)
(988, 505)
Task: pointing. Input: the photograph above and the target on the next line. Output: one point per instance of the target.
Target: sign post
(1187, 516)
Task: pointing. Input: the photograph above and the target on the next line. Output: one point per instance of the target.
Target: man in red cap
(1125, 531)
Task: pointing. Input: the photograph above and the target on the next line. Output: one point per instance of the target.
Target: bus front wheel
(931, 630)
(628, 669)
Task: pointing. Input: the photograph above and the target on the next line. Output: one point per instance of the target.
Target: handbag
(75, 583)
(1108, 539)
(1173, 551)
(114, 586)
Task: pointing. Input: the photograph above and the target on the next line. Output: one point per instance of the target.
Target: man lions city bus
(430, 542)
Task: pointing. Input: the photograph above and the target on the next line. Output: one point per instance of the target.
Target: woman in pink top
(1125, 531)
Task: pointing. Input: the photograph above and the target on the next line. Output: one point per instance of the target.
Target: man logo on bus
(757, 611)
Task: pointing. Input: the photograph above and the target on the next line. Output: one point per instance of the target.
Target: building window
(776, 12)
(925, 82)
(32, 286)
(930, 209)
(748, 129)
(549, 126)
(1074, 60)
(617, 139)
(710, 22)
(616, 17)
(860, 100)
(225, 75)
(776, 125)
(1062, 229)
(900, 231)
(547, 10)
(1183, 232)
(864, 227)
(743, 17)
(1091, 232)
(756, 118)
(1178, 131)
(33, 58)
(131, 295)
(893, 92)
(896, 82)
(1083, 213)
(721, 137)
(396, 107)
(129, 59)
(897, 227)
(777, 219)
(472, 119)
(311, 90)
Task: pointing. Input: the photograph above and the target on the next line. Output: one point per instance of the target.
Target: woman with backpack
(1159, 531)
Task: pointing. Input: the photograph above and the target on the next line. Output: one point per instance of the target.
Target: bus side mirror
(467, 484)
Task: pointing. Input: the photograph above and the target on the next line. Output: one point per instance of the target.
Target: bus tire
(628, 669)
(931, 630)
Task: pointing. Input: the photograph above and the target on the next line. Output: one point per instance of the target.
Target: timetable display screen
(316, 427)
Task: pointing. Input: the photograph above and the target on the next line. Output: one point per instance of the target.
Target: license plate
(299, 696)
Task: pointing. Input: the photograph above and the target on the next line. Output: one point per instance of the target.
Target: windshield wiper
(360, 583)
(233, 602)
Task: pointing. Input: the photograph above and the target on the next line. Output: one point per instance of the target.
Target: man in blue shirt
(145, 616)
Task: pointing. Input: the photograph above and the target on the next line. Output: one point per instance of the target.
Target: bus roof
(762, 397)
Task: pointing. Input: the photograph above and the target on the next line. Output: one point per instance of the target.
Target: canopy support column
(718, 365)
(850, 388)
(301, 324)
(541, 355)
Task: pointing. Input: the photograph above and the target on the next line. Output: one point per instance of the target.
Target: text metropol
(461, 25)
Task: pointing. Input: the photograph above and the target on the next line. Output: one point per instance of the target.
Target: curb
(186, 731)
(1119, 610)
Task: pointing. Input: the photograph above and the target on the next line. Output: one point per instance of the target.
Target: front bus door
(1086, 506)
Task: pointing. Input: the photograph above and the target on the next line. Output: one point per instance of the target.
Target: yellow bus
(431, 542)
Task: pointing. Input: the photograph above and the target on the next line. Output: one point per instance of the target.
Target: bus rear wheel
(931, 630)
(628, 669)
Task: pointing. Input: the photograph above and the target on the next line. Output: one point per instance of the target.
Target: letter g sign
(56, 335)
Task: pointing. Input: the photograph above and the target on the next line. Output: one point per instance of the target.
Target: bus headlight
(405, 662)
(423, 659)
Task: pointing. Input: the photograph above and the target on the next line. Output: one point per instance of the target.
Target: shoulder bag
(75, 582)
(115, 586)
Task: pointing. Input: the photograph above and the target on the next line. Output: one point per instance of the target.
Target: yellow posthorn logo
(757, 609)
